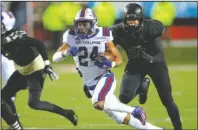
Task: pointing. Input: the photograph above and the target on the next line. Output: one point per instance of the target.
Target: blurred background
(48, 21)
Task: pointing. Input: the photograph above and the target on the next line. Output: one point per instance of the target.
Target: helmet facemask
(85, 23)
(85, 28)
(130, 22)
(132, 14)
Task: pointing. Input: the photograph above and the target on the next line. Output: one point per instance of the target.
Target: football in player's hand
(107, 55)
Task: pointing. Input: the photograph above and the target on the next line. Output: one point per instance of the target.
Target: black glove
(146, 56)
(48, 69)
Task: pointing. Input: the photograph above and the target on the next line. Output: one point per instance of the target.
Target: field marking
(70, 68)
(89, 126)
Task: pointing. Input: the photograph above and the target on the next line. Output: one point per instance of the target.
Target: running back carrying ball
(108, 55)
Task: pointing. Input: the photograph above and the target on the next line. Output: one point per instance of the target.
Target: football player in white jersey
(85, 42)
(7, 65)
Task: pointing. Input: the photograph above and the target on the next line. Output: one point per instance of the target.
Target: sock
(59, 110)
(15, 126)
(134, 122)
(117, 116)
(113, 104)
(150, 126)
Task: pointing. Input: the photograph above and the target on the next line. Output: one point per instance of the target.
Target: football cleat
(144, 90)
(71, 116)
(139, 114)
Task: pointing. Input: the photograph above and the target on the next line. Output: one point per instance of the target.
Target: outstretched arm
(61, 53)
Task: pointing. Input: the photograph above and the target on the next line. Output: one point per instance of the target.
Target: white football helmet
(8, 20)
(85, 16)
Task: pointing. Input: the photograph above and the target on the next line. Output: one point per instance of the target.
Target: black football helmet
(133, 11)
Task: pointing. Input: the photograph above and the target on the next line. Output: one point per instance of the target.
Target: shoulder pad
(116, 29)
(155, 28)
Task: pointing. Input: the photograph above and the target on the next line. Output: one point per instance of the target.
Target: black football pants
(158, 72)
(34, 84)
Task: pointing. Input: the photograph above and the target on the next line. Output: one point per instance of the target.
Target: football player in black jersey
(32, 65)
(140, 40)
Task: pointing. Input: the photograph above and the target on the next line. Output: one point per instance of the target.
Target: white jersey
(88, 49)
(9, 20)
(7, 65)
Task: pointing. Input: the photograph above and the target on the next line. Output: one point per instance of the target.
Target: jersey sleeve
(67, 38)
(156, 29)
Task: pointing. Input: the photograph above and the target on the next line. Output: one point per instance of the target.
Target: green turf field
(68, 93)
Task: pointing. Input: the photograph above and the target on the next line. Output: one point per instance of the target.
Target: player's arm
(113, 50)
(66, 48)
(33, 42)
(61, 53)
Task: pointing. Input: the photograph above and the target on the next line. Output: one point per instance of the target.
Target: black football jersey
(24, 51)
(146, 39)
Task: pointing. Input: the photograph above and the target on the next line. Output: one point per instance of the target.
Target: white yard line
(69, 68)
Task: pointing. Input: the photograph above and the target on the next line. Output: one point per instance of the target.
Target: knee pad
(124, 98)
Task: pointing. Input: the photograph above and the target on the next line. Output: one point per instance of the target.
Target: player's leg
(130, 119)
(104, 92)
(160, 77)
(9, 117)
(35, 85)
(104, 99)
(129, 86)
(143, 90)
(15, 83)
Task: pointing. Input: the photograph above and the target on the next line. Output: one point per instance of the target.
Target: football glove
(103, 62)
(48, 69)
(73, 51)
(146, 56)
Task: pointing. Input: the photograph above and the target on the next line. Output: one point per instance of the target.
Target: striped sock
(16, 126)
